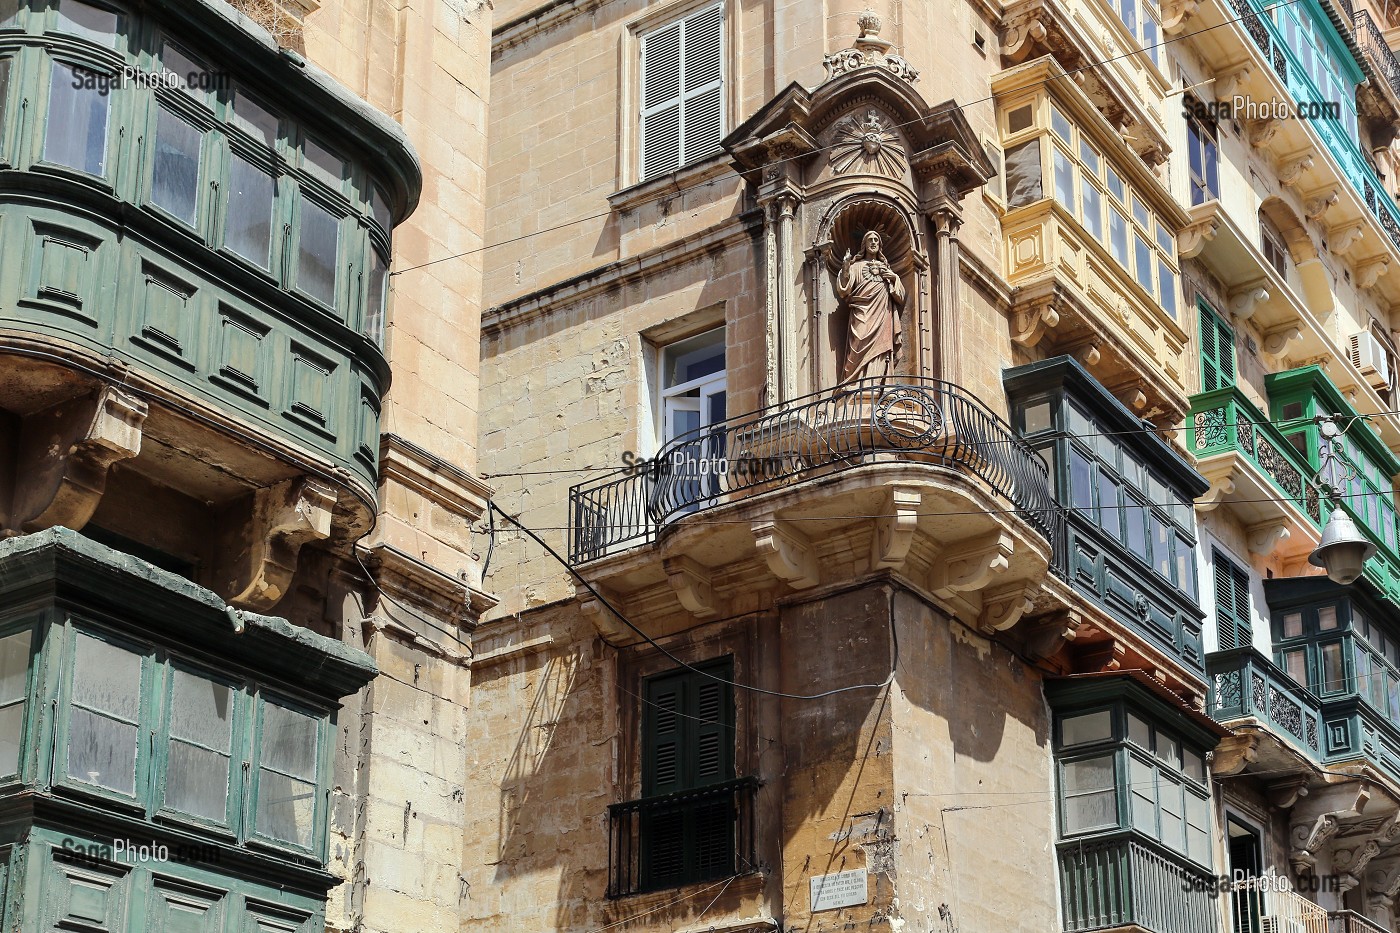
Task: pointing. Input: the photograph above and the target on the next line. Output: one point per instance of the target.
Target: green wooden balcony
(1246, 685)
(1128, 882)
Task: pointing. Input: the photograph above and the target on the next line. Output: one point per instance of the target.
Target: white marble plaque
(844, 889)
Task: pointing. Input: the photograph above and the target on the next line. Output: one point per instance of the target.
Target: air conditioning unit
(1277, 924)
(1370, 356)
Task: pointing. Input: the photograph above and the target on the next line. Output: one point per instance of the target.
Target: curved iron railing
(914, 419)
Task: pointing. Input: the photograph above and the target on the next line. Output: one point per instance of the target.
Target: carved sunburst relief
(869, 144)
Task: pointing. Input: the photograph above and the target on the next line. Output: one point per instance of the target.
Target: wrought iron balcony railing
(1373, 46)
(683, 838)
(1349, 921)
(913, 420)
(1243, 683)
(1125, 882)
(1267, 902)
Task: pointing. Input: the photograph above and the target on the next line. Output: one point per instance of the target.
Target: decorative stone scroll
(869, 51)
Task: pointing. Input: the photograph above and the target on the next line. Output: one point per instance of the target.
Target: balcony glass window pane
(1173, 811)
(1061, 126)
(1064, 179)
(1194, 766)
(1129, 12)
(287, 775)
(76, 134)
(1151, 38)
(1198, 828)
(1169, 750)
(1019, 119)
(324, 163)
(1118, 236)
(1166, 287)
(1139, 732)
(256, 119)
(1185, 566)
(1140, 213)
(9, 13)
(1037, 417)
(1090, 794)
(1089, 158)
(1081, 483)
(1333, 671)
(378, 296)
(1161, 546)
(1146, 271)
(250, 200)
(103, 728)
(1142, 785)
(1292, 625)
(1392, 693)
(1165, 241)
(1135, 518)
(1375, 687)
(1093, 208)
(1115, 184)
(88, 21)
(14, 690)
(319, 249)
(1327, 618)
(1024, 176)
(201, 738)
(1295, 663)
(379, 206)
(175, 174)
(1109, 518)
(1090, 727)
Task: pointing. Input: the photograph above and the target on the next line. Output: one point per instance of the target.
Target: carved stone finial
(869, 25)
(869, 51)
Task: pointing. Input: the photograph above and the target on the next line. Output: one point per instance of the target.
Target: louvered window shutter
(1232, 603)
(1217, 352)
(682, 93)
(663, 736)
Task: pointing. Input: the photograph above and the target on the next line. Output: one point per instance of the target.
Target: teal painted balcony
(1246, 685)
(1116, 883)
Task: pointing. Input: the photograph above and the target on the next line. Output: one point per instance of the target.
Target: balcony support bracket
(1276, 341)
(1318, 819)
(691, 581)
(1344, 236)
(1320, 202)
(1370, 270)
(1051, 633)
(1349, 861)
(1194, 237)
(977, 561)
(1245, 300)
(1222, 484)
(1292, 168)
(1266, 536)
(788, 552)
(1033, 322)
(65, 457)
(1284, 794)
(1233, 753)
(265, 551)
(1228, 82)
(894, 529)
(1176, 13)
(1002, 608)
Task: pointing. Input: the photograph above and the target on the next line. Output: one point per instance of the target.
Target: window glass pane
(4, 72)
(1109, 518)
(175, 174)
(1135, 518)
(321, 161)
(288, 741)
(1327, 617)
(1118, 236)
(1019, 119)
(1165, 242)
(1091, 799)
(1169, 750)
(76, 134)
(1194, 766)
(1060, 125)
(1161, 547)
(1185, 566)
(201, 737)
(1081, 483)
(320, 245)
(102, 751)
(1129, 13)
(378, 282)
(1333, 673)
(1198, 828)
(107, 678)
(1115, 184)
(286, 775)
(1296, 664)
(1089, 157)
(9, 13)
(1142, 781)
(256, 119)
(1090, 727)
(1093, 208)
(1064, 179)
(14, 689)
(379, 206)
(286, 807)
(1037, 417)
(90, 22)
(1146, 271)
(1166, 287)
(250, 197)
(1139, 732)
(1140, 213)
(1173, 807)
(1292, 625)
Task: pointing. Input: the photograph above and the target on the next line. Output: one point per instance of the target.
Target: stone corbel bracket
(1292, 167)
(1350, 861)
(1230, 81)
(285, 518)
(1306, 840)
(1276, 341)
(1021, 36)
(972, 564)
(1344, 236)
(1051, 633)
(789, 554)
(1320, 202)
(1370, 270)
(692, 584)
(66, 456)
(1032, 323)
(1383, 882)
(1222, 484)
(1285, 793)
(1003, 607)
(1194, 237)
(1176, 13)
(1234, 753)
(1244, 301)
(1318, 819)
(1265, 537)
(894, 529)
(1262, 131)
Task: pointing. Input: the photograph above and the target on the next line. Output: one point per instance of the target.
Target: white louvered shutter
(682, 117)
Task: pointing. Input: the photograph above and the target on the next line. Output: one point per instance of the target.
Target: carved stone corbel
(1100, 656)
(1220, 487)
(1245, 300)
(1233, 753)
(1193, 237)
(1033, 322)
(1349, 860)
(788, 552)
(1264, 537)
(1285, 793)
(1342, 238)
(1228, 83)
(691, 582)
(1383, 882)
(894, 529)
(972, 564)
(1088, 353)
(1306, 839)
(1052, 633)
(1175, 14)
(1320, 202)
(1276, 341)
(1291, 168)
(265, 550)
(1370, 269)
(1262, 131)
(1021, 36)
(66, 455)
(1002, 608)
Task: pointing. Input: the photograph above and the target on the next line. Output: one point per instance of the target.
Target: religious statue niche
(872, 297)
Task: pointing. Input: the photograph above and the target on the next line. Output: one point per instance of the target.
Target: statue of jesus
(872, 295)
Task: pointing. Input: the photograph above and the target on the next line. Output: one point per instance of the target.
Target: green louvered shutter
(1217, 351)
(1232, 603)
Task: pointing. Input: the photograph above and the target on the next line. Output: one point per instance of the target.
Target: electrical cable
(603, 601)
(1088, 66)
